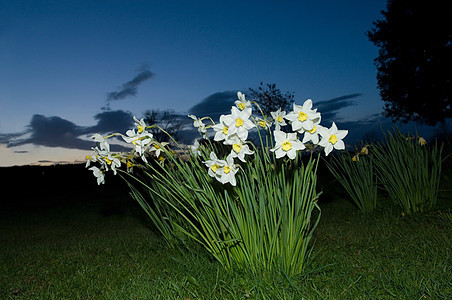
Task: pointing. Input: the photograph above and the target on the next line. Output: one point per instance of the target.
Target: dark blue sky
(61, 62)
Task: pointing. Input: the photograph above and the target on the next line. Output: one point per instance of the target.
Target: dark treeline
(36, 187)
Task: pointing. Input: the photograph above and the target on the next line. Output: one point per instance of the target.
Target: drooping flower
(141, 134)
(101, 141)
(222, 130)
(91, 158)
(239, 148)
(422, 141)
(303, 118)
(127, 158)
(98, 174)
(141, 146)
(112, 162)
(242, 103)
(141, 124)
(287, 144)
(140, 140)
(332, 138)
(98, 155)
(278, 118)
(198, 123)
(194, 149)
(365, 150)
(227, 173)
(238, 122)
(157, 148)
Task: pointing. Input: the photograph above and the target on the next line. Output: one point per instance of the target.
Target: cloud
(52, 132)
(130, 88)
(330, 108)
(214, 105)
(57, 132)
(111, 121)
(5, 138)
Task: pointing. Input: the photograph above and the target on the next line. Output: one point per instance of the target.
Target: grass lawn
(99, 245)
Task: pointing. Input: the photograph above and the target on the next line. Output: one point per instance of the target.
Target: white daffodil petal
(328, 149)
(339, 145)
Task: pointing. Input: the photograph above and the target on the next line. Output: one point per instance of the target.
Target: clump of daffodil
(234, 199)
(409, 171)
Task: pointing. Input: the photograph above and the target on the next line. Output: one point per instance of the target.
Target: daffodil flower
(422, 141)
(312, 135)
(365, 150)
(238, 122)
(130, 166)
(287, 144)
(194, 149)
(222, 130)
(141, 146)
(112, 162)
(91, 158)
(215, 165)
(239, 148)
(157, 148)
(303, 118)
(227, 173)
(140, 140)
(198, 123)
(278, 118)
(141, 125)
(98, 174)
(263, 123)
(102, 142)
(127, 159)
(132, 136)
(98, 155)
(332, 138)
(242, 103)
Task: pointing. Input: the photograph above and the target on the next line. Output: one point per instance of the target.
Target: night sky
(69, 69)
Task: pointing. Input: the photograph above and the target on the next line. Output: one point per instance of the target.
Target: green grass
(81, 250)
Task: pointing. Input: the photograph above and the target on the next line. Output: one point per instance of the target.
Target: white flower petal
(339, 145)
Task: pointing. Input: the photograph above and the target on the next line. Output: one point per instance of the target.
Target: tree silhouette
(270, 98)
(415, 60)
(168, 120)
